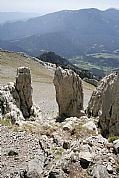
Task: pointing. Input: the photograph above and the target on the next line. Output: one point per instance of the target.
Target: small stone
(112, 160)
(66, 145)
(90, 125)
(109, 169)
(68, 126)
(116, 146)
(100, 171)
(12, 153)
(85, 159)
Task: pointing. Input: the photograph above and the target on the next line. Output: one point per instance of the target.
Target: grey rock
(85, 159)
(33, 174)
(105, 104)
(100, 171)
(95, 103)
(16, 98)
(69, 92)
(24, 89)
(12, 153)
(9, 103)
(68, 126)
(90, 125)
(66, 145)
(57, 173)
(109, 119)
(35, 167)
(116, 146)
(109, 168)
(86, 155)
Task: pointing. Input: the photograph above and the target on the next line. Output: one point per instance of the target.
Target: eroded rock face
(109, 120)
(24, 89)
(95, 103)
(105, 104)
(69, 92)
(16, 98)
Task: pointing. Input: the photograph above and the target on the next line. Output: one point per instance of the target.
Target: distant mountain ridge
(68, 33)
(9, 17)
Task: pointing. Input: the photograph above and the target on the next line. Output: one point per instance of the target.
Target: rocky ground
(56, 150)
(47, 148)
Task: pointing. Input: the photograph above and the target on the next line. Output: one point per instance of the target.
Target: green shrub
(113, 138)
(5, 122)
(117, 168)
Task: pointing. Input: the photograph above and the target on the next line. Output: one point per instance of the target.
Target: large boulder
(16, 98)
(69, 92)
(105, 104)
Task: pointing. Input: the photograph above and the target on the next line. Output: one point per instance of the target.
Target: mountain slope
(42, 79)
(69, 33)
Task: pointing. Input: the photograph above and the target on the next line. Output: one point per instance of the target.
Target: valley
(67, 33)
(99, 64)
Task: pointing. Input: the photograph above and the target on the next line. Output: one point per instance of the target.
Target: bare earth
(42, 81)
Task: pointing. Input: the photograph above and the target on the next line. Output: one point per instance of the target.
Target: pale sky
(46, 6)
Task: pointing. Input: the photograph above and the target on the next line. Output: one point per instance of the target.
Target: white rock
(90, 125)
(86, 155)
(68, 126)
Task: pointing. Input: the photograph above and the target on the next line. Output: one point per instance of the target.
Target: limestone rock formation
(95, 103)
(69, 92)
(109, 120)
(9, 101)
(16, 98)
(105, 104)
(24, 89)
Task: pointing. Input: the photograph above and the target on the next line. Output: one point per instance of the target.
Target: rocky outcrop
(105, 104)
(16, 98)
(69, 92)
(109, 119)
(95, 103)
(10, 103)
(24, 89)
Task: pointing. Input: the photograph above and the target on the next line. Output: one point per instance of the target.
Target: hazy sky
(54, 5)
